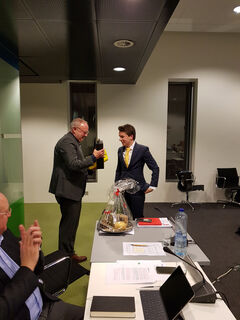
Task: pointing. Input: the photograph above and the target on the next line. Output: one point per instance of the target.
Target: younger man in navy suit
(131, 160)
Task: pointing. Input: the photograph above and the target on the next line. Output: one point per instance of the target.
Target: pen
(171, 218)
(148, 287)
(139, 245)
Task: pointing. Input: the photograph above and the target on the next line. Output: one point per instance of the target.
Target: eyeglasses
(85, 132)
(6, 212)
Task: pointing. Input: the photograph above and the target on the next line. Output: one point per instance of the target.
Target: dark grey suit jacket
(69, 169)
(140, 156)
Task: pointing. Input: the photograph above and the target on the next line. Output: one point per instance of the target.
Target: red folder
(154, 223)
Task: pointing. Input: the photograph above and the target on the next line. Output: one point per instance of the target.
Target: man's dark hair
(128, 129)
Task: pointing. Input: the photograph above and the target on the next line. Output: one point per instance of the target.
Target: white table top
(193, 311)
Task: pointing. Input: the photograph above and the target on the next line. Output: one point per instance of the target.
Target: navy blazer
(69, 169)
(140, 156)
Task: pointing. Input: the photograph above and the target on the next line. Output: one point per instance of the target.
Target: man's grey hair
(77, 122)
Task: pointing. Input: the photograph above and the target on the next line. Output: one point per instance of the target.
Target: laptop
(167, 302)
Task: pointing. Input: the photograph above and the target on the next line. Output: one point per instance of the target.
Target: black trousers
(59, 310)
(136, 203)
(70, 211)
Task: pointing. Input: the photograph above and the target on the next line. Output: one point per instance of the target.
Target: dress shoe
(78, 259)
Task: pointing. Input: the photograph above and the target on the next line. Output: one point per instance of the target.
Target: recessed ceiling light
(237, 9)
(119, 69)
(123, 43)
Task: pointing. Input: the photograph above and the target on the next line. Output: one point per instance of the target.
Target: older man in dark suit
(68, 182)
(131, 160)
(22, 294)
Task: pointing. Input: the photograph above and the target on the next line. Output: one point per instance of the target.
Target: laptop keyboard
(152, 304)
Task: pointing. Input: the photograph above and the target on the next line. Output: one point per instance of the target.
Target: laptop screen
(176, 292)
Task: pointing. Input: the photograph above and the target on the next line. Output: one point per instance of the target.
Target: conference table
(107, 252)
(108, 247)
(192, 311)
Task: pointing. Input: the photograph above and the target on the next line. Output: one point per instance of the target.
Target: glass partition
(11, 172)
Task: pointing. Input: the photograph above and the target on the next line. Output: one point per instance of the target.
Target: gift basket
(116, 217)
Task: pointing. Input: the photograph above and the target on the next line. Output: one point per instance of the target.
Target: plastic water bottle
(180, 245)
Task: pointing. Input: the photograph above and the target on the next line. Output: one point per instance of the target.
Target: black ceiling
(73, 39)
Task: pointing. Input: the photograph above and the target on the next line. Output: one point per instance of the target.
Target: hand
(37, 233)
(29, 245)
(149, 190)
(98, 153)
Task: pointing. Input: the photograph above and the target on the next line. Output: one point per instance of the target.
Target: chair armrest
(53, 263)
(220, 182)
(56, 272)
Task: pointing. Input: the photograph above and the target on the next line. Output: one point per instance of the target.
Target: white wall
(44, 120)
(212, 59)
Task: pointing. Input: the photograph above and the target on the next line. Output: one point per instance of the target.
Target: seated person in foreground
(22, 296)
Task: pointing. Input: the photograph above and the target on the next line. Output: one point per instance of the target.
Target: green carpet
(48, 215)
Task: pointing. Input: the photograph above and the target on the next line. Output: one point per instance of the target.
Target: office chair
(59, 272)
(56, 272)
(185, 184)
(228, 179)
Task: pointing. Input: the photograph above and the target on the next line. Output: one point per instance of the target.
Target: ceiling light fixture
(119, 69)
(124, 43)
(237, 9)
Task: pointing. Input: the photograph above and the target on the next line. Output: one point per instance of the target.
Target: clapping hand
(31, 240)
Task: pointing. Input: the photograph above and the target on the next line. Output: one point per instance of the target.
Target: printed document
(125, 273)
(143, 249)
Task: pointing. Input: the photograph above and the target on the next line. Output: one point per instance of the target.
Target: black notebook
(113, 306)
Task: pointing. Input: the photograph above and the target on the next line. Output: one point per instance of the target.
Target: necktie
(127, 156)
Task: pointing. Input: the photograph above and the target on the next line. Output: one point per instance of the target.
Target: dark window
(179, 127)
(83, 105)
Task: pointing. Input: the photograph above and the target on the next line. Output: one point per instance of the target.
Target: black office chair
(185, 184)
(228, 179)
(59, 272)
